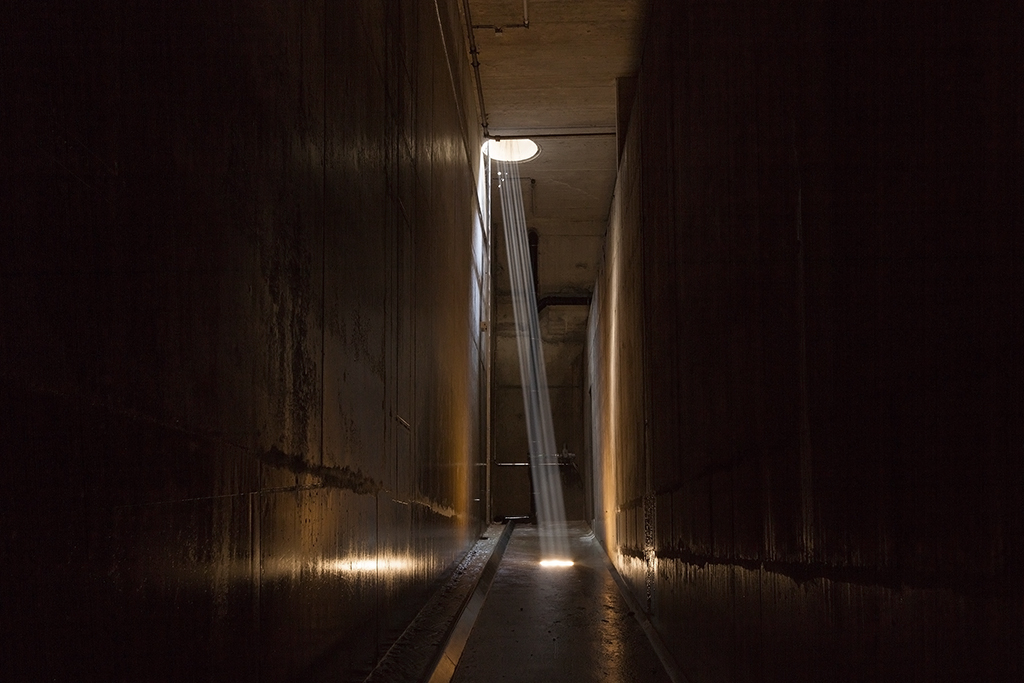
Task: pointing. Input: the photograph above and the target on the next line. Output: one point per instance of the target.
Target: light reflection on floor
(570, 624)
(556, 563)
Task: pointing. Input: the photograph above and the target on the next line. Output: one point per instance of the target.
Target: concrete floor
(568, 624)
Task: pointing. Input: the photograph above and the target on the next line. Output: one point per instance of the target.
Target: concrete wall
(562, 340)
(806, 342)
(242, 271)
(562, 345)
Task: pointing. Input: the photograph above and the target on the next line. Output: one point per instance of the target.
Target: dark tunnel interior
(254, 407)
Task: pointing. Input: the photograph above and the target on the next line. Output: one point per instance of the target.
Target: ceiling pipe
(557, 135)
(546, 301)
(501, 29)
(556, 132)
(473, 52)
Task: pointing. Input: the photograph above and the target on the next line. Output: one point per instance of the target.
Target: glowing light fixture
(513, 149)
(556, 563)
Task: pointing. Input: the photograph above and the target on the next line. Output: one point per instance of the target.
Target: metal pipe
(546, 301)
(473, 52)
(552, 135)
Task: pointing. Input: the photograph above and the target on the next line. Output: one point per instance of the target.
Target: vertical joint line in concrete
(806, 458)
(649, 507)
(323, 243)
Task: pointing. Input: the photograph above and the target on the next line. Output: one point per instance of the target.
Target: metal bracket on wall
(498, 30)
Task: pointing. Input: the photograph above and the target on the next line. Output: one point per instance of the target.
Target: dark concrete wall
(822, 205)
(239, 338)
(562, 346)
(562, 336)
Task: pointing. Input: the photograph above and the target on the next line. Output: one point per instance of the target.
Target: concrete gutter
(433, 642)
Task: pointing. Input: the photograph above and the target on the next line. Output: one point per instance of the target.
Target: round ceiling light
(513, 149)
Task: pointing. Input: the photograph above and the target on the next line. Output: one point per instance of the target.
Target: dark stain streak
(893, 578)
(635, 553)
(330, 477)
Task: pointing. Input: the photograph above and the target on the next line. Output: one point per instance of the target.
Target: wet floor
(556, 624)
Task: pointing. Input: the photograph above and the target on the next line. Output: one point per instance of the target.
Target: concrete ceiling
(554, 81)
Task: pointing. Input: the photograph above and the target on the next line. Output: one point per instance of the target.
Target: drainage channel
(430, 647)
(444, 669)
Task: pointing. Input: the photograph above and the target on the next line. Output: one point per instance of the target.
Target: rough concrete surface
(239, 340)
(806, 345)
(556, 624)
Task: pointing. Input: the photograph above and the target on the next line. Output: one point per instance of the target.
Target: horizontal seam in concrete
(965, 583)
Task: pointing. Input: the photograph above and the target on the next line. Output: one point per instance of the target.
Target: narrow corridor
(556, 624)
(260, 387)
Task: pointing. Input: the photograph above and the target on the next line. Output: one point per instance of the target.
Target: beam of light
(547, 480)
(556, 563)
